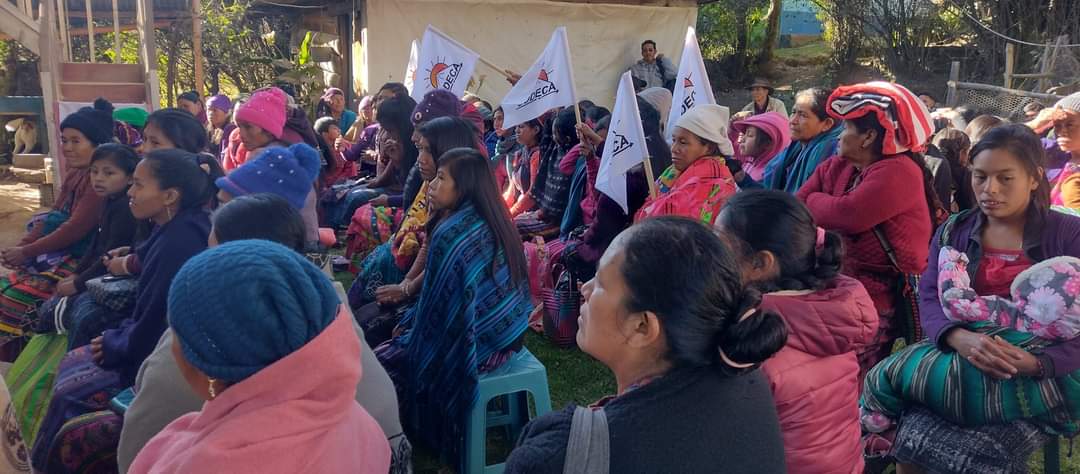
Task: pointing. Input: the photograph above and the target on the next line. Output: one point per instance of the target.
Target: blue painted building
(799, 18)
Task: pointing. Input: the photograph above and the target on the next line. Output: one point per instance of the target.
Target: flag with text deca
(548, 84)
(442, 63)
(625, 145)
(691, 85)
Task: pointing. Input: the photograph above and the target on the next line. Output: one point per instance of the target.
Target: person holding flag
(698, 182)
(547, 85)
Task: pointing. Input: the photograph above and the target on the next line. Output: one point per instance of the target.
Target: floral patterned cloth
(1044, 297)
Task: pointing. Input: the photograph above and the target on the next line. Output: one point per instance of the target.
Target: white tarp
(605, 39)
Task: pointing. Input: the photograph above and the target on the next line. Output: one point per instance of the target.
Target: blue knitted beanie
(287, 172)
(244, 305)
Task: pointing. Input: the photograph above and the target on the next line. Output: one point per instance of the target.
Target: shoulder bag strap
(588, 449)
(885, 245)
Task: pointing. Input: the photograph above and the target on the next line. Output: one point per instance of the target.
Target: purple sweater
(1046, 235)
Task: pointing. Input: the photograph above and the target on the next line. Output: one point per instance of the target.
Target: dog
(26, 135)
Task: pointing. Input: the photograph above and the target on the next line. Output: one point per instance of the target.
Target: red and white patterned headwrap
(907, 122)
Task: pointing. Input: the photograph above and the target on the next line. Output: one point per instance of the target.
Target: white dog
(25, 135)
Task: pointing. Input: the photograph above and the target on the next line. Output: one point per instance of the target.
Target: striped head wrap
(906, 120)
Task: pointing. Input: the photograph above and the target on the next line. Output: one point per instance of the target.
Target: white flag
(625, 145)
(691, 85)
(410, 70)
(548, 84)
(442, 64)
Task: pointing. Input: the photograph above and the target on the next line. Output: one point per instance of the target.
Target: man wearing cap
(761, 92)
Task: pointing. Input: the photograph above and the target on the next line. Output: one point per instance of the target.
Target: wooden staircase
(119, 83)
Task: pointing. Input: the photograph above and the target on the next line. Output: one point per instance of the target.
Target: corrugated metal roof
(104, 7)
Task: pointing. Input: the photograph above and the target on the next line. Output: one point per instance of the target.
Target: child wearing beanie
(245, 342)
(698, 182)
(287, 172)
(58, 238)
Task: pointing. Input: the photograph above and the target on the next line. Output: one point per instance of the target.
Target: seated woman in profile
(669, 315)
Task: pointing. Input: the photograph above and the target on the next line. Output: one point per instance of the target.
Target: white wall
(604, 39)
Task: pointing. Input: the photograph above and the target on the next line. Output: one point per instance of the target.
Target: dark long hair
(262, 216)
(181, 128)
(870, 122)
(681, 271)
(777, 222)
(475, 184)
(1020, 141)
(395, 116)
(819, 100)
(191, 174)
(122, 156)
(446, 133)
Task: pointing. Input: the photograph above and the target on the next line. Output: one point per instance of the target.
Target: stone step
(29, 176)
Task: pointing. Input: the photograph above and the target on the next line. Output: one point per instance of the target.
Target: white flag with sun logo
(410, 69)
(548, 84)
(443, 64)
(691, 85)
(625, 145)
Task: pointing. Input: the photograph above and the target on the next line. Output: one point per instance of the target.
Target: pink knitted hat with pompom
(265, 109)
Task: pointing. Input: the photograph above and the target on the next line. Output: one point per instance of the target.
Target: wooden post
(90, 29)
(954, 77)
(47, 65)
(1010, 63)
(116, 31)
(144, 19)
(65, 37)
(196, 46)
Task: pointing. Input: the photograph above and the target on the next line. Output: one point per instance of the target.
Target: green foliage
(718, 24)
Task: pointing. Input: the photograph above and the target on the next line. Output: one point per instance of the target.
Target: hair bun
(753, 337)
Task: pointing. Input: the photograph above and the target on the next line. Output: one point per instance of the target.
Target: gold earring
(213, 393)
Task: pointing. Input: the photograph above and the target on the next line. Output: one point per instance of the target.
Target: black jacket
(690, 420)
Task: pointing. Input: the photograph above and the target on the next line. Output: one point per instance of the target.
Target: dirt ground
(18, 202)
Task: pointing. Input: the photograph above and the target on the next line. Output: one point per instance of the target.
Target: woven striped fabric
(907, 122)
(955, 390)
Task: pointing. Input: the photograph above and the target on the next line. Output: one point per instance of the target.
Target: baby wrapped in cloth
(1043, 311)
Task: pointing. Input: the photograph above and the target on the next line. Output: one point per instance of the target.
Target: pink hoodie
(297, 415)
(775, 126)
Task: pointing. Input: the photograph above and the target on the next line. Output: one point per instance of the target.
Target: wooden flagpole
(649, 176)
(495, 67)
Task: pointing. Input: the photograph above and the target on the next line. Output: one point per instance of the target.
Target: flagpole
(649, 176)
(494, 66)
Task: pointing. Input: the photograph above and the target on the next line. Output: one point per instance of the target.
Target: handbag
(113, 292)
(905, 293)
(54, 316)
(561, 308)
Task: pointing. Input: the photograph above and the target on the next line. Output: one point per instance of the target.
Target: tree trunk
(772, 31)
(170, 71)
(742, 39)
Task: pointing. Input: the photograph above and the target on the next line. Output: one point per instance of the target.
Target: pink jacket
(287, 418)
(814, 378)
(776, 127)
